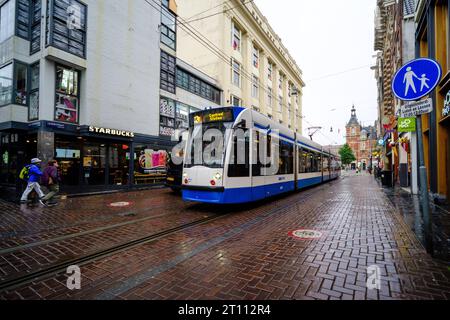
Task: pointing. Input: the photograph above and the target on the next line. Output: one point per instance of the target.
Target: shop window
(68, 155)
(20, 79)
(168, 28)
(94, 163)
(149, 165)
(67, 94)
(6, 84)
(34, 92)
(7, 22)
(168, 69)
(68, 31)
(118, 159)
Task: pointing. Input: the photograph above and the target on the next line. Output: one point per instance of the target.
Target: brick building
(362, 140)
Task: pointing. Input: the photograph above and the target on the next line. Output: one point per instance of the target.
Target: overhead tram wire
(188, 21)
(200, 13)
(203, 40)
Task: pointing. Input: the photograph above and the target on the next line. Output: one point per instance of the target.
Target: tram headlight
(218, 176)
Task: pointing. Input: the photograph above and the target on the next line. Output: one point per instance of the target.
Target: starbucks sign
(406, 124)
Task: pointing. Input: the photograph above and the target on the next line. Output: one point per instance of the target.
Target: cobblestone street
(158, 247)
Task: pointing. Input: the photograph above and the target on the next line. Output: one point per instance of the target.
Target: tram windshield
(206, 144)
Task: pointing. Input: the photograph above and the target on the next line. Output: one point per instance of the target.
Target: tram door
(238, 176)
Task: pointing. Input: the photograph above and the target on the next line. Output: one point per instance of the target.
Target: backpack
(25, 173)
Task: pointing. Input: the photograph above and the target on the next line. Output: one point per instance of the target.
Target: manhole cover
(119, 204)
(306, 234)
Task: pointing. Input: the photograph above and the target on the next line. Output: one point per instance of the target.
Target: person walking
(51, 180)
(33, 177)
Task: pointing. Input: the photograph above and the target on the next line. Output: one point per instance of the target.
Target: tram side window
(302, 160)
(240, 161)
(319, 162)
(286, 163)
(256, 163)
(326, 164)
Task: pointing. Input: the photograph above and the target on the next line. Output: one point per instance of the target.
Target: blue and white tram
(302, 162)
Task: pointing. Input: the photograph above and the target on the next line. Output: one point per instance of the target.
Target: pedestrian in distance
(51, 179)
(32, 174)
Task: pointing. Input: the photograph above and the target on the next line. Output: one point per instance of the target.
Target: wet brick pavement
(247, 253)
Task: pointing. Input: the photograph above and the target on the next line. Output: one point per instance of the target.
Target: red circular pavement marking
(306, 234)
(119, 204)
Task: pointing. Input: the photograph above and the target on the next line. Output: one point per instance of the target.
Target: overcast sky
(328, 37)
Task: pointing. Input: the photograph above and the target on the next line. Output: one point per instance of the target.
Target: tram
(296, 162)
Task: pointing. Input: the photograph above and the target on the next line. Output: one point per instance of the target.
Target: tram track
(62, 266)
(56, 268)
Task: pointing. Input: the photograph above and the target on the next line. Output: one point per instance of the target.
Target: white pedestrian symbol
(409, 80)
(423, 82)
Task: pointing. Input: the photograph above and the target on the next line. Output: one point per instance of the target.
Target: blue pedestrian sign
(416, 79)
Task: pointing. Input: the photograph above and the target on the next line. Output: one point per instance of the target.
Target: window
(280, 104)
(240, 153)
(69, 26)
(280, 81)
(269, 70)
(286, 162)
(269, 97)
(23, 18)
(168, 67)
(35, 26)
(6, 84)
(168, 28)
(167, 116)
(255, 87)
(34, 93)
(20, 79)
(7, 20)
(255, 57)
(236, 37)
(236, 73)
(235, 101)
(353, 131)
(67, 94)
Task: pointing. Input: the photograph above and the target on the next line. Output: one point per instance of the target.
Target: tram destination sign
(414, 109)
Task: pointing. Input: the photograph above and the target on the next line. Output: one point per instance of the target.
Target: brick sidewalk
(249, 255)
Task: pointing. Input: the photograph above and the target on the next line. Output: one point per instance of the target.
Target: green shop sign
(407, 124)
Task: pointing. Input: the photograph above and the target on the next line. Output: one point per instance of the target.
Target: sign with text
(407, 124)
(417, 108)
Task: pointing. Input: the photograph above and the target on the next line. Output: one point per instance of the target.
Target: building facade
(432, 40)
(362, 141)
(239, 48)
(395, 45)
(78, 84)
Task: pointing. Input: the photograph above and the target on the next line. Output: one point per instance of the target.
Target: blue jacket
(34, 174)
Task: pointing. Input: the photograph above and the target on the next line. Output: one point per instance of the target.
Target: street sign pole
(423, 179)
(413, 81)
